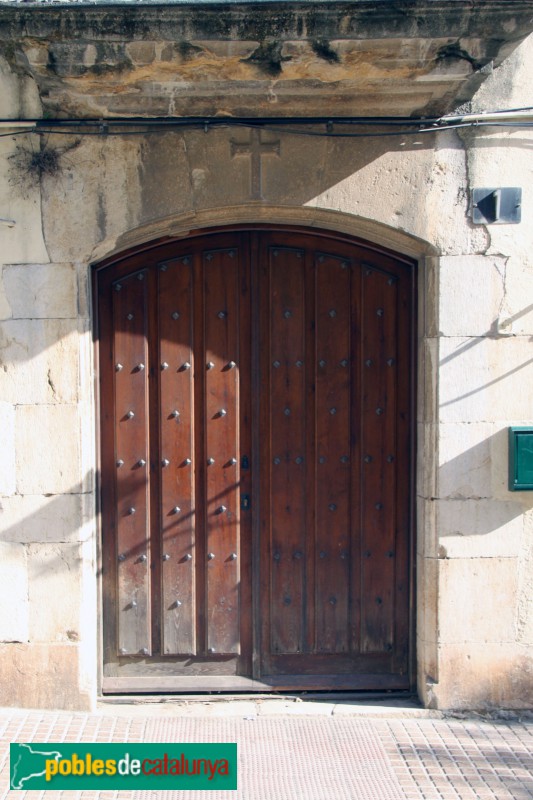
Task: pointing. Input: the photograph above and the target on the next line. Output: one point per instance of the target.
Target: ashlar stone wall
(474, 636)
(476, 532)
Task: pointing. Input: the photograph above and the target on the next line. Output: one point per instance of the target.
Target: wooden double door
(256, 395)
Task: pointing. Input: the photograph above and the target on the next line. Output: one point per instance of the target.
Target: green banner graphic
(78, 767)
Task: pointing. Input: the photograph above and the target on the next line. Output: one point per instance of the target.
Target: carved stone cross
(256, 149)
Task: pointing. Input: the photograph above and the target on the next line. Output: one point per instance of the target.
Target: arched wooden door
(256, 461)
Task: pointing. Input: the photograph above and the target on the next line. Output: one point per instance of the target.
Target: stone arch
(367, 232)
(186, 224)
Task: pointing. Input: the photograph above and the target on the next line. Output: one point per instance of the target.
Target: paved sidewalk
(304, 750)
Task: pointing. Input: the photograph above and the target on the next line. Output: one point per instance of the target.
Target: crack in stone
(51, 384)
(498, 324)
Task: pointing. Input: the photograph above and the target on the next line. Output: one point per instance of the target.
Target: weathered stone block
(10, 100)
(75, 200)
(427, 599)
(179, 173)
(485, 379)
(40, 359)
(427, 659)
(7, 451)
(54, 573)
(5, 308)
(87, 446)
(517, 317)
(84, 290)
(33, 518)
(428, 297)
(427, 665)
(13, 593)
(20, 201)
(525, 585)
(428, 370)
(484, 677)
(464, 455)
(426, 536)
(471, 295)
(141, 52)
(42, 676)
(47, 447)
(426, 467)
(479, 528)
(41, 291)
(477, 600)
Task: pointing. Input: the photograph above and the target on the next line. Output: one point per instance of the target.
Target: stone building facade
(73, 198)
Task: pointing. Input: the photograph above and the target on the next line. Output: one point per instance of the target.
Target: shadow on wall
(107, 186)
(472, 343)
(238, 165)
(483, 388)
(479, 473)
(101, 188)
(54, 518)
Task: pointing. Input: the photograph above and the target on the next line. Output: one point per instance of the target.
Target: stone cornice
(341, 58)
(501, 20)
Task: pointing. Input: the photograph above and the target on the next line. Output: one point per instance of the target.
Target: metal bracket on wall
(497, 206)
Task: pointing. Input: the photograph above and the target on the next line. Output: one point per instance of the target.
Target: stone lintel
(260, 59)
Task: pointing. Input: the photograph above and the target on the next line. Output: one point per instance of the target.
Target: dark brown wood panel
(333, 455)
(221, 309)
(131, 461)
(378, 491)
(176, 462)
(286, 563)
(287, 500)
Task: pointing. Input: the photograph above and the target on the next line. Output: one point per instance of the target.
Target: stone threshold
(370, 705)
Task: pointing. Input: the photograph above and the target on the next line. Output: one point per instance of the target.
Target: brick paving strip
(304, 751)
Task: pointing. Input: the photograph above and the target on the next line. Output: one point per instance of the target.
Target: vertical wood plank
(356, 456)
(333, 434)
(222, 416)
(262, 464)
(310, 461)
(176, 369)
(378, 438)
(131, 457)
(245, 459)
(287, 361)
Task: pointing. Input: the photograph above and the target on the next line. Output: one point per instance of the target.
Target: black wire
(18, 133)
(79, 127)
(289, 131)
(264, 128)
(104, 122)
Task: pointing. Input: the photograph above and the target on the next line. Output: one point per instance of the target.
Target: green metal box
(520, 459)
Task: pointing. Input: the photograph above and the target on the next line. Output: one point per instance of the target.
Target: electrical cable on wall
(294, 126)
